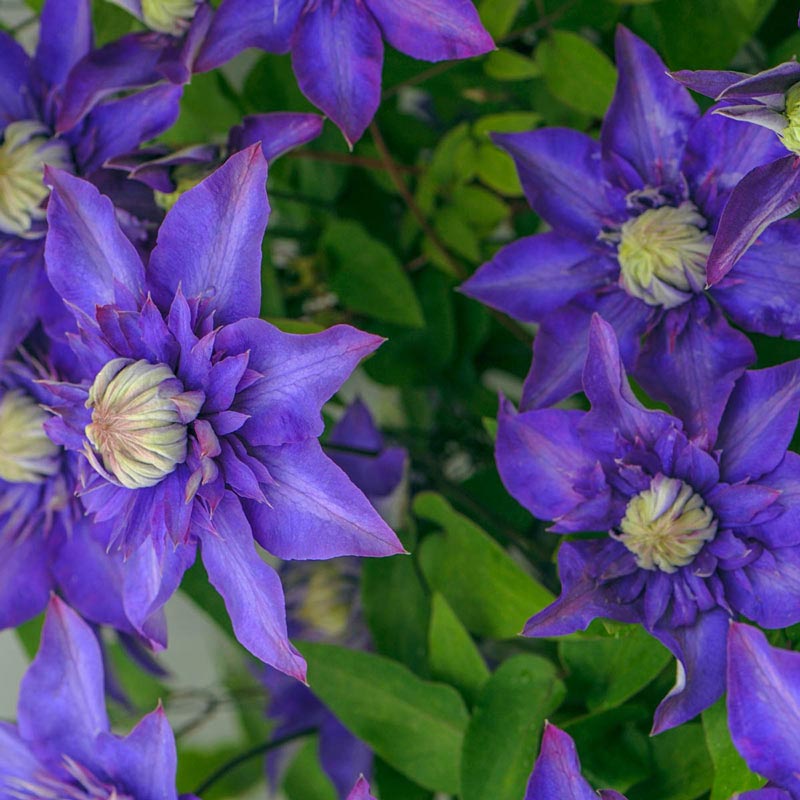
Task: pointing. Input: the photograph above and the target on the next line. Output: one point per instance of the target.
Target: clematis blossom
(686, 537)
(337, 45)
(196, 422)
(62, 744)
(634, 218)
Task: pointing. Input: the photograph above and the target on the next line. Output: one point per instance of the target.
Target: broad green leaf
(393, 786)
(576, 72)
(490, 594)
(607, 671)
(295, 325)
(730, 771)
(507, 122)
(503, 735)
(509, 65)
(197, 764)
(481, 209)
(454, 658)
(496, 169)
(367, 275)
(416, 726)
(498, 15)
(29, 633)
(305, 779)
(198, 588)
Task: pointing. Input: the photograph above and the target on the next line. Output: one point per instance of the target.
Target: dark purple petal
(737, 505)
(337, 54)
(764, 794)
(250, 588)
(764, 706)
(773, 81)
(648, 122)
(538, 274)
(360, 791)
(765, 195)
(557, 772)
(782, 531)
(762, 292)
(21, 282)
(709, 82)
(562, 175)
(239, 24)
(432, 30)
(313, 511)
(276, 133)
(759, 421)
(89, 260)
(16, 95)
(210, 242)
(700, 651)
(61, 702)
(65, 37)
(690, 362)
(25, 581)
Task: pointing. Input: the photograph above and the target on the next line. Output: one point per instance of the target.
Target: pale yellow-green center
(187, 178)
(168, 16)
(26, 454)
(790, 135)
(25, 149)
(325, 607)
(662, 255)
(139, 421)
(666, 526)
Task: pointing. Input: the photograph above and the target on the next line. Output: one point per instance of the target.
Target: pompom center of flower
(662, 255)
(140, 414)
(26, 453)
(25, 149)
(790, 135)
(666, 526)
(168, 16)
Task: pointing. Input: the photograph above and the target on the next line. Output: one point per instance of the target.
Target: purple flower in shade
(197, 422)
(763, 702)
(557, 772)
(692, 535)
(337, 45)
(361, 790)
(62, 744)
(768, 192)
(633, 218)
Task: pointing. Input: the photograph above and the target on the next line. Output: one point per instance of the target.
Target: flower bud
(26, 453)
(168, 16)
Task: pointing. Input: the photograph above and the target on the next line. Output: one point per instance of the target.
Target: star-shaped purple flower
(690, 535)
(633, 218)
(337, 45)
(62, 744)
(197, 422)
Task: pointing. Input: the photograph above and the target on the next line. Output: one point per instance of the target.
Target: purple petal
(538, 274)
(561, 173)
(341, 754)
(301, 373)
(782, 531)
(773, 81)
(700, 650)
(250, 588)
(759, 421)
(21, 284)
(25, 582)
(16, 94)
(239, 24)
(432, 30)
(762, 292)
(313, 511)
(89, 259)
(65, 36)
(61, 702)
(144, 763)
(16, 760)
(765, 195)
(690, 362)
(648, 122)
(557, 771)
(736, 505)
(764, 705)
(765, 794)
(210, 242)
(276, 133)
(361, 790)
(709, 82)
(337, 55)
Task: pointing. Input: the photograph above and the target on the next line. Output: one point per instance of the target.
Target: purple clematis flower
(769, 192)
(763, 697)
(196, 422)
(337, 45)
(557, 771)
(62, 744)
(691, 536)
(633, 219)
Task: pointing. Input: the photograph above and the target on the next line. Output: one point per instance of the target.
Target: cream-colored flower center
(168, 16)
(666, 526)
(26, 148)
(26, 454)
(662, 255)
(140, 414)
(790, 135)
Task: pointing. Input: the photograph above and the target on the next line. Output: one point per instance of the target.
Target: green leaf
(295, 325)
(605, 672)
(198, 588)
(498, 15)
(730, 771)
(576, 72)
(29, 633)
(367, 275)
(415, 726)
(454, 658)
(305, 779)
(492, 595)
(503, 735)
(507, 122)
(393, 786)
(509, 65)
(496, 169)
